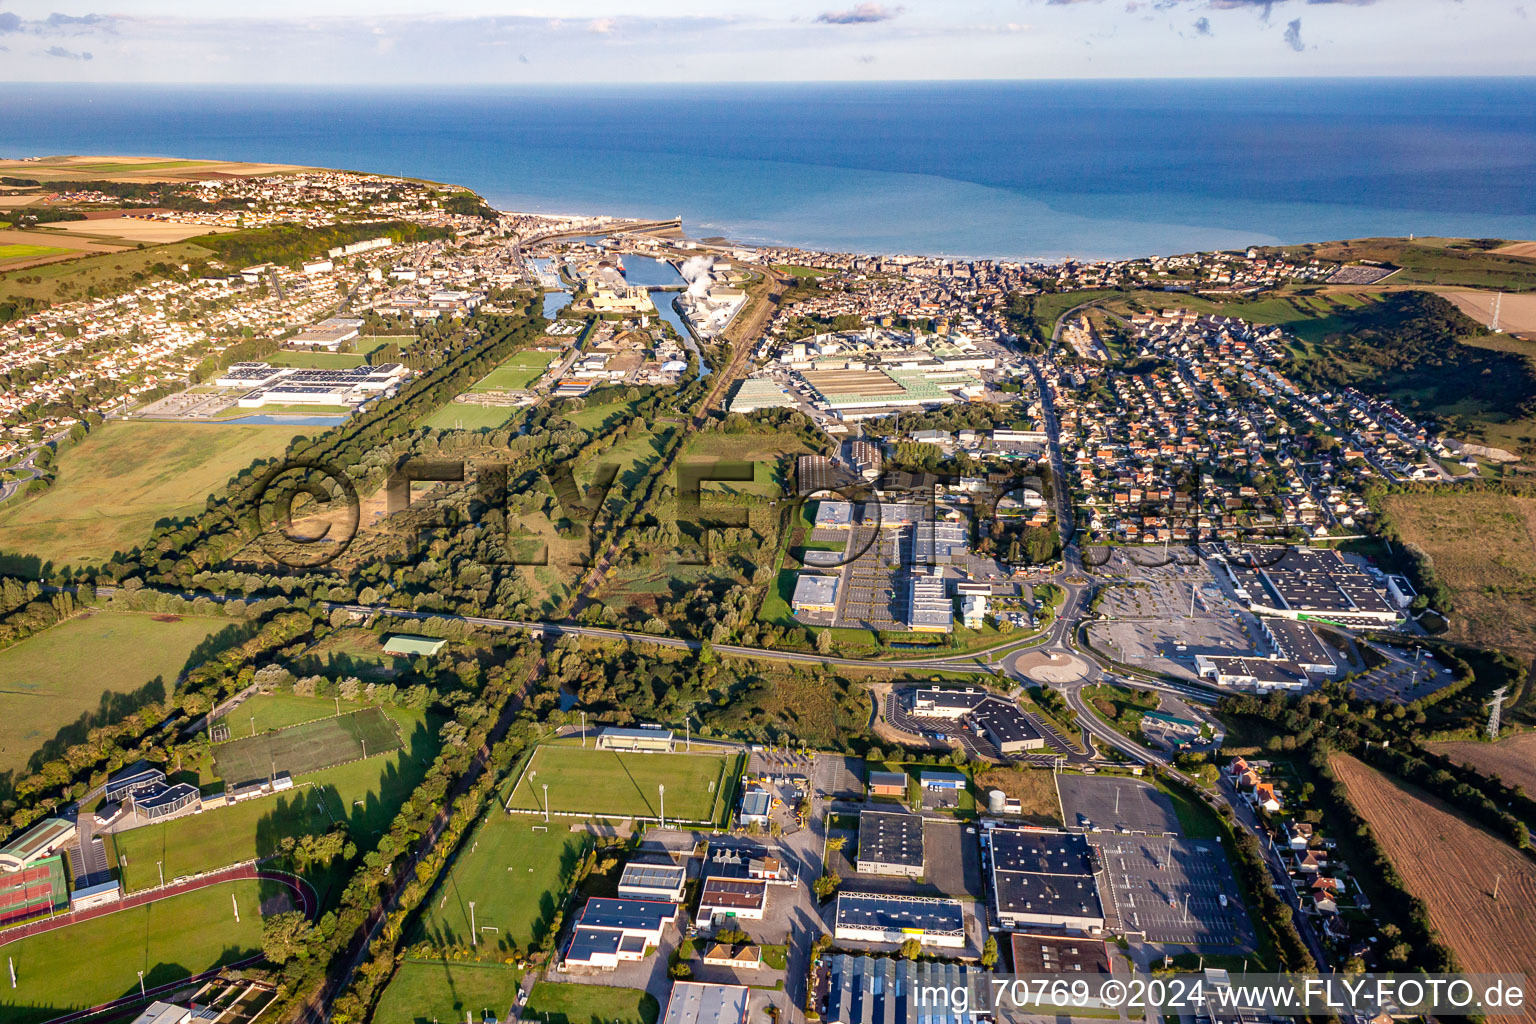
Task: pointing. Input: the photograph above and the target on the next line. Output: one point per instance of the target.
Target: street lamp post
(160, 866)
(546, 802)
(473, 940)
(662, 790)
(142, 993)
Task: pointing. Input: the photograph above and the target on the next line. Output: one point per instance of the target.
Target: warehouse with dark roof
(872, 917)
(1043, 879)
(890, 843)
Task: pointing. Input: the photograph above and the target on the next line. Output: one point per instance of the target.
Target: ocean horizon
(1042, 170)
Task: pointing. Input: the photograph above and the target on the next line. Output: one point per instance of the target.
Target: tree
(910, 950)
(285, 936)
(835, 843)
(989, 953)
(826, 885)
(824, 641)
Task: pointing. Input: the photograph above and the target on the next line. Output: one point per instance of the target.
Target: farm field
(517, 877)
(364, 794)
(606, 783)
(136, 229)
(1512, 759)
(301, 749)
(1517, 313)
(106, 271)
(99, 960)
(14, 252)
(87, 668)
(112, 487)
(558, 1003)
(133, 168)
(1483, 547)
(426, 991)
(280, 710)
(1451, 865)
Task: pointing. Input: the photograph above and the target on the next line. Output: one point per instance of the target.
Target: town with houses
(1064, 516)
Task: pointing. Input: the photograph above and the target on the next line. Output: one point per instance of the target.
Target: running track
(304, 896)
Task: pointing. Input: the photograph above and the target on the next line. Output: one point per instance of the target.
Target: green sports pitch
(605, 783)
(516, 870)
(516, 372)
(98, 960)
(310, 747)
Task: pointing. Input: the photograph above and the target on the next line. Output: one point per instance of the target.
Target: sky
(470, 42)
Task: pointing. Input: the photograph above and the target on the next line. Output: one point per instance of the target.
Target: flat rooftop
(1044, 873)
(891, 837)
(1059, 954)
(693, 1002)
(896, 913)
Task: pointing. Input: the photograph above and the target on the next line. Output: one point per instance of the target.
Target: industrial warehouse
(890, 843)
(871, 917)
(1044, 879)
(996, 718)
(880, 990)
(1309, 583)
(263, 384)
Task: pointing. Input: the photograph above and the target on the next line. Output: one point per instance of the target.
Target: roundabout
(1052, 667)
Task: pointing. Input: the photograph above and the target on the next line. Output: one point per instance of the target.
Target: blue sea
(1034, 170)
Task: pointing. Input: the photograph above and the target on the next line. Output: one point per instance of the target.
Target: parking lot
(1401, 683)
(1156, 643)
(1110, 803)
(1170, 890)
(780, 761)
(872, 589)
(839, 777)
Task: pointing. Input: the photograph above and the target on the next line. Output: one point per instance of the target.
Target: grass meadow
(112, 487)
(429, 991)
(89, 667)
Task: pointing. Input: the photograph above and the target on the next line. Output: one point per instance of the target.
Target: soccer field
(427, 991)
(99, 960)
(518, 371)
(300, 749)
(364, 794)
(279, 711)
(516, 877)
(606, 783)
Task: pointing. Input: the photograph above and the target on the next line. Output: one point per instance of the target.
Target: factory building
(890, 843)
(1043, 879)
(869, 917)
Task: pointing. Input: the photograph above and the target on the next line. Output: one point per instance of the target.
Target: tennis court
(308, 747)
